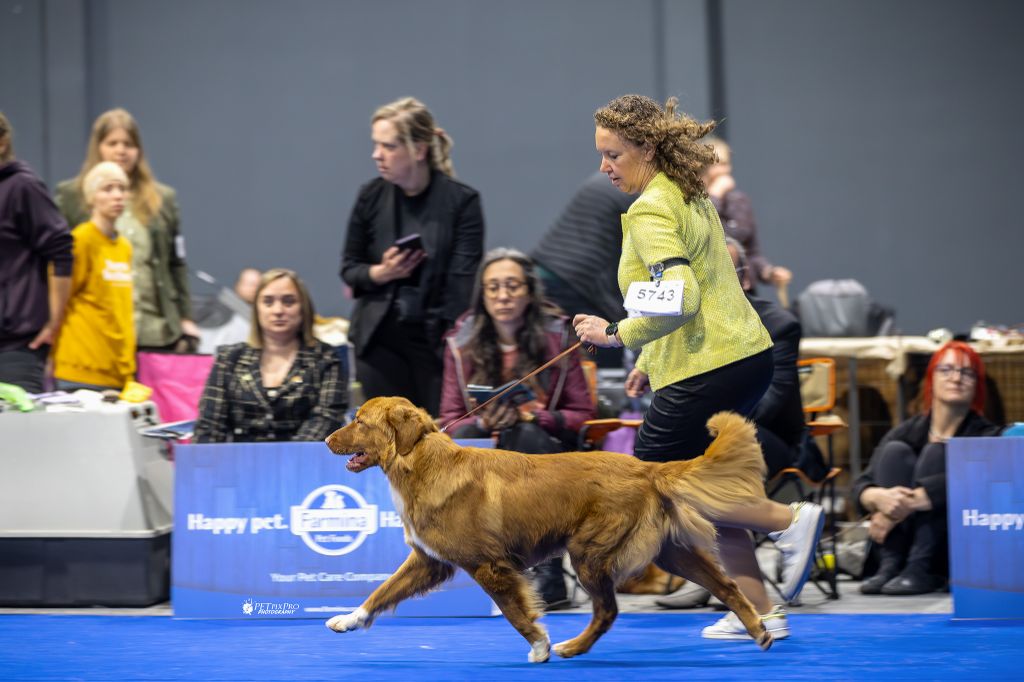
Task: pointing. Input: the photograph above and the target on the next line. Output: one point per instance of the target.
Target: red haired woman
(904, 486)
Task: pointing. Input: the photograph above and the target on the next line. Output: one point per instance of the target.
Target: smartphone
(410, 242)
(517, 396)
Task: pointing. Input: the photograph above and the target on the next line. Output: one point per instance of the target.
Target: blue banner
(283, 530)
(985, 497)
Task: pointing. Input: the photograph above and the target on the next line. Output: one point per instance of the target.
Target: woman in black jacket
(406, 298)
(904, 486)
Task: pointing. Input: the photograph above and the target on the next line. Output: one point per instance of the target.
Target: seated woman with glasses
(509, 331)
(904, 486)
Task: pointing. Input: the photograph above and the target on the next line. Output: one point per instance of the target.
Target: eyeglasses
(966, 373)
(514, 287)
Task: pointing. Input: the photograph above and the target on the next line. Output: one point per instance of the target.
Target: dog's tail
(729, 474)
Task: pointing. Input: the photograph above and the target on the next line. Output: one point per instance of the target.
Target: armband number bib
(655, 299)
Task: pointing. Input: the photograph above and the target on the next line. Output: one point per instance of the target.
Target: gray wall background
(876, 138)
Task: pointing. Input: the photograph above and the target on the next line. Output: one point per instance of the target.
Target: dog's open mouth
(357, 461)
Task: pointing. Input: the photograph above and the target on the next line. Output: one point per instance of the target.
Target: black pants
(527, 438)
(24, 367)
(675, 426)
(401, 361)
(919, 541)
(778, 454)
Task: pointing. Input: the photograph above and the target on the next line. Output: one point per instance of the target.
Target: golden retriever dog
(495, 513)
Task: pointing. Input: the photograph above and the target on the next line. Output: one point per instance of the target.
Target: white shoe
(730, 627)
(797, 544)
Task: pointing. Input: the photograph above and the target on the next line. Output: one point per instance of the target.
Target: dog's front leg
(513, 595)
(418, 574)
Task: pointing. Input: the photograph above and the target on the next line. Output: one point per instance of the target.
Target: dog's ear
(410, 425)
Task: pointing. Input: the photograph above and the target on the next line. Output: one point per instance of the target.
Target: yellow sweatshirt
(97, 341)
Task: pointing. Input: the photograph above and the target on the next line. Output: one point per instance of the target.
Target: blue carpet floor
(644, 646)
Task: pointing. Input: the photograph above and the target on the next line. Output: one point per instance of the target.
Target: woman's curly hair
(673, 136)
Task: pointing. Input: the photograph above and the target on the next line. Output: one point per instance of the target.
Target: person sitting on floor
(904, 485)
(283, 384)
(509, 331)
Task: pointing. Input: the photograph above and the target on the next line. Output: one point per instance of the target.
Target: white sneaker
(730, 627)
(797, 544)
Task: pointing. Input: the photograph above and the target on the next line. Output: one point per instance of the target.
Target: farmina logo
(1006, 521)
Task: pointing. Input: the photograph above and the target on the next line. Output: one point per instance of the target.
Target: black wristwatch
(610, 331)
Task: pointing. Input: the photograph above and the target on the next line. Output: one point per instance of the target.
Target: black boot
(889, 564)
(917, 577)
(551, 584)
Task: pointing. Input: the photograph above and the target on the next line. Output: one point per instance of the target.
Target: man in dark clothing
(32, 235)
(578, 258)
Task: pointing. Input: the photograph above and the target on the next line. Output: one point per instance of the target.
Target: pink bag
(177, 382)
(621, 440)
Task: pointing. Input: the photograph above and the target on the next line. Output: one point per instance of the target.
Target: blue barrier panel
(985, 483)
(283, 530)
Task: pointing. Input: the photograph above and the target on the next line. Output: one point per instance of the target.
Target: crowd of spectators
(98, 273)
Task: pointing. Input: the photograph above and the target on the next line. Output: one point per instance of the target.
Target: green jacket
(718, 325)
(166, 261)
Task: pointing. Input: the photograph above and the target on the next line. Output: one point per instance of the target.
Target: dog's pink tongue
(356, 460)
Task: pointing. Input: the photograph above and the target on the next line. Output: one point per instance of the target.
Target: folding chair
(594, 430)
(818, 394)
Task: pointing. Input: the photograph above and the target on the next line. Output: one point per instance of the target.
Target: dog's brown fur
(494, 513)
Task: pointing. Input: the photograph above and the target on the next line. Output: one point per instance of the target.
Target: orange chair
(594, 430)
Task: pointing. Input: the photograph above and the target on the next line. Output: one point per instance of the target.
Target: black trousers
(778, 454)
(400, 360)
(527, 438)
(24, 367)
(919, 541)
(675, 426)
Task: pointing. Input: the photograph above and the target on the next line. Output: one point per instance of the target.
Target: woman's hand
(590, 329)
(721, 185)
(780, 275)
(395, 264)
(498, 416)
(879, 527)
(637, 383)
(896, 502)
(190, 328)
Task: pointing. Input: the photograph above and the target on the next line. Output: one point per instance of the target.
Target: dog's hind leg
(513, 595)
(418, 574)
(700, 567)
(598, 583)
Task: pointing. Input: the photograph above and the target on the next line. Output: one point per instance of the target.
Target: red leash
(533, 373)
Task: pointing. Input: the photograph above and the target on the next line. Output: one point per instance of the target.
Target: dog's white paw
(348, 621)
(540, 651)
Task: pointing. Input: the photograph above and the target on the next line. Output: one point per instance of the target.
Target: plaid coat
(309, 405)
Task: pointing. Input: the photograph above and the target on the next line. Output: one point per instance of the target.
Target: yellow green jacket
(97, 340)
(718, 325)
